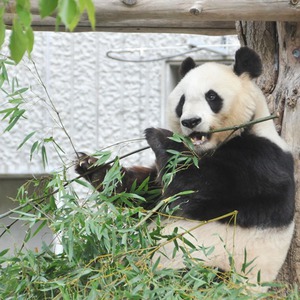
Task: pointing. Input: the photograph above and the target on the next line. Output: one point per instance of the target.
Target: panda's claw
(84, 162)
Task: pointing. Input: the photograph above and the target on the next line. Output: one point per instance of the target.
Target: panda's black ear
(247, 60)
(187, 65)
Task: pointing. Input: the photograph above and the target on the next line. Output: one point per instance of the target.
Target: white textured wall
(101, 101)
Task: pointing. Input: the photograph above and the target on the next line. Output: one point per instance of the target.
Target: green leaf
(81, 5)
(7, 112)
(2, 253)
(23, 12)
(57, 22)
(2, 27)
(47, 7)
(74, 22)
(83, 183)
(26, 139)
(22, 37)
(90, 8)
(187, 242)
(44, 156)
(155, 265)
(39, 228)
(57, 146)
(18, 42)
(18, 92)
(104, 156)
(34, 147)
(30, 39)
(14, 119)
(3, 74)
(68, 13)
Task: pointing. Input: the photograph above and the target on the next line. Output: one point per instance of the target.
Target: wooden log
(206, 28)
(287, 91)
(190, 16)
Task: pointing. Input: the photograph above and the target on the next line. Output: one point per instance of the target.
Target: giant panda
(248, 170)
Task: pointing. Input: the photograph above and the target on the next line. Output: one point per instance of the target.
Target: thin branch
(53, 107)
(247, 124)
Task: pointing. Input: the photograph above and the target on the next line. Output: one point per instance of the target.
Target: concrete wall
(100, 101)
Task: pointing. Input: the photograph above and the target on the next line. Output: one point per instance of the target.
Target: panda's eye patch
(211, 95)
(214, 101)
(179, 106)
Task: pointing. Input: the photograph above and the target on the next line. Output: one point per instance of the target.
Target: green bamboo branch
(247, 124)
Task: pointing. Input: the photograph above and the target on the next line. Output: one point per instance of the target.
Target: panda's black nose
(191, 123)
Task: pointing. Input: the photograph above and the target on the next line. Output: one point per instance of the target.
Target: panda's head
(214, 96)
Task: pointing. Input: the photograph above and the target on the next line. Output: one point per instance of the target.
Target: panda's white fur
(243, 101)
(267, 248)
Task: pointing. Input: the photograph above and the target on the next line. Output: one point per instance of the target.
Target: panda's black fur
(249, 174)
(248, 61)
(249, 170)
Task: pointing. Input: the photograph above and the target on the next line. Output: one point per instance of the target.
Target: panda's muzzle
(199, 138)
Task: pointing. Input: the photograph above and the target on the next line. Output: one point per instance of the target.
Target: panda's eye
(211, 95)
(214, 101)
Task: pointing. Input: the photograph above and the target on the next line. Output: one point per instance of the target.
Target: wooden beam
(188, 16)
(173, 26)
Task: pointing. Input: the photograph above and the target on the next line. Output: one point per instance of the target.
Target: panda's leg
(85, 166)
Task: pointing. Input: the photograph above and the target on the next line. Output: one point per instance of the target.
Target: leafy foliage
(106, 250)
(67, 12)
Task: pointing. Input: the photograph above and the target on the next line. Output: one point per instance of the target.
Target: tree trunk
(279, 46)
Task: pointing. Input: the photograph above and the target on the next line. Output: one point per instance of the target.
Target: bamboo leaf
(16, 116)
(3, 252)
(7, 112)
(34, 147)
(17, 92)
(40, 227)
(26, 139)
(44, 156)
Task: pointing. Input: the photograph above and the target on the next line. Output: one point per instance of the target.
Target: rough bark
(279, 46)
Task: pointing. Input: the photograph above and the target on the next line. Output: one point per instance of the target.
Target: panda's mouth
(199, 138)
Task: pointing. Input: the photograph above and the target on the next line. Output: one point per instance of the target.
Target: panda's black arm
(95, 174)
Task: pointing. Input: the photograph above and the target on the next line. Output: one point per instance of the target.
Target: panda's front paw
(86, 167)
(84, 163)
(158, 138)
